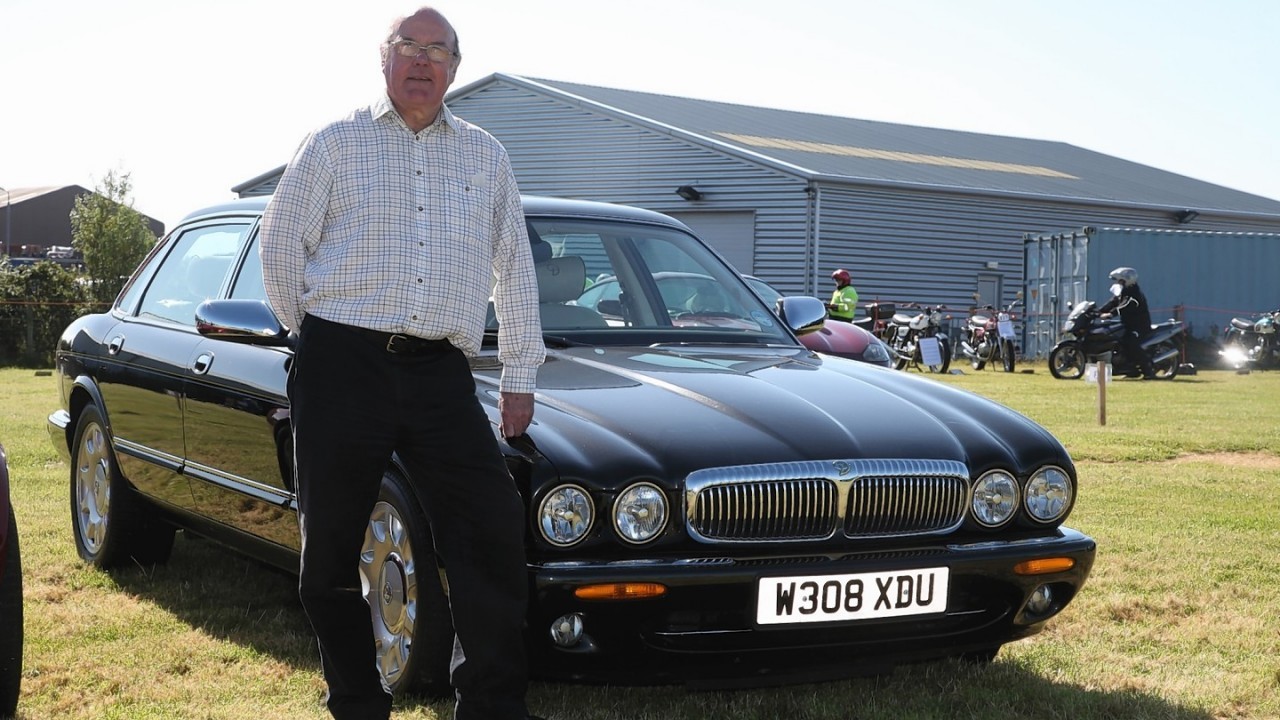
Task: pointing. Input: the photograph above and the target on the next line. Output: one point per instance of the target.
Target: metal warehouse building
(916, 214)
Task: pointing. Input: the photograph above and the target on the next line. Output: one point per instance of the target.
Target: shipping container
(1201, 278)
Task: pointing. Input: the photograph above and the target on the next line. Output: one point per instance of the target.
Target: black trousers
(1131, 343)
(353, 405)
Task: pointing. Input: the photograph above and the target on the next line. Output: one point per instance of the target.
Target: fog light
(566, 631)
(1041, 600)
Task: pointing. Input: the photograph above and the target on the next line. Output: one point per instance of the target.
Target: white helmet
(1126, 275)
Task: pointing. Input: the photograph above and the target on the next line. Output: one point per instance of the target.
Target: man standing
(844, 301)
(381, 248)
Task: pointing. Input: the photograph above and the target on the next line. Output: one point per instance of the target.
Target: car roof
(534, 206)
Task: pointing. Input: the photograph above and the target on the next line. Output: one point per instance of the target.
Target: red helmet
(841, 276)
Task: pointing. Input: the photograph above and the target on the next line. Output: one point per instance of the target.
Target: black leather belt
(401, 344)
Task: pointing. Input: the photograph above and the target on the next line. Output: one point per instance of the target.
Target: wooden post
(1104, 370)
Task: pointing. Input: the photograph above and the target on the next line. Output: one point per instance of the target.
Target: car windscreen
(618, 279)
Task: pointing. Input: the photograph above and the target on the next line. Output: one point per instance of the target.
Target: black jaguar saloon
(708, 501)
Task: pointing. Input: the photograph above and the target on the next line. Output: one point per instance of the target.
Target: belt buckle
(393, 340)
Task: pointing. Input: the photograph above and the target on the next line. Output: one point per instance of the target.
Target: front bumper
(703, 630)
(57, 424)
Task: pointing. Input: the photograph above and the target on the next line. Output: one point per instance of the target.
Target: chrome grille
(784, 509)
(880, 506)
(814, 500)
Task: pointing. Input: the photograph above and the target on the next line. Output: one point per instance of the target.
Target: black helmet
(1125, 275)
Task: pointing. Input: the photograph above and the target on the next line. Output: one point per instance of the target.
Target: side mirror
(802, 314)
(245, 321)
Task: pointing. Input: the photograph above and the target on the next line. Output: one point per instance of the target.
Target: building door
(989, 290)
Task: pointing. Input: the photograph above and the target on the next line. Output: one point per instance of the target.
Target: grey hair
(392, 32)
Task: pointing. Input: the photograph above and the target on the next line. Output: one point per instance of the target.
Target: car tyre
(11, 623)
(109, 522)
(405, 589)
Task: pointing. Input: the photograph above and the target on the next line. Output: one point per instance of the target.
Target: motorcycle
(917, 341)
(1090, 337)
(1252, 342)
(989, 336)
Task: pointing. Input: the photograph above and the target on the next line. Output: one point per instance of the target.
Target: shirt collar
(382, 107)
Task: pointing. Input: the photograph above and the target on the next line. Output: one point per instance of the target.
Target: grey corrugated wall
(920, 244)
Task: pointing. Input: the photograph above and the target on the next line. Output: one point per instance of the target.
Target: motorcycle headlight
(1067, 325)
(565, 515)
(995, 498)
(640, 513)
(1049, 494)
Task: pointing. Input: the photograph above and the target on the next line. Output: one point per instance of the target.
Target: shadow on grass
(250, 604)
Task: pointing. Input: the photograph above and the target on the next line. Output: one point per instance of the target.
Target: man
(380, 248)
(844, 301)
(1127, 299)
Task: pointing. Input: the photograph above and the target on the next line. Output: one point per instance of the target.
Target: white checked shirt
(379, 227)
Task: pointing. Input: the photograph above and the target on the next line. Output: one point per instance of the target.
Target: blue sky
(192, 97)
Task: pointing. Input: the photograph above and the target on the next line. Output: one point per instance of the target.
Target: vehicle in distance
(835, 337)
(708, 501)
(11, 633)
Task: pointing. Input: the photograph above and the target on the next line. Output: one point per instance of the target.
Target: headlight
(565, 515)
(1049, 494)
(640, 513)
(995, 497)
(876, 352)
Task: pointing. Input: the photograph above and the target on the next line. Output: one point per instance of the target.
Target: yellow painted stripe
(906, 157)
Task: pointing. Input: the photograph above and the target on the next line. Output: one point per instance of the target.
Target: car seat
(561, 280)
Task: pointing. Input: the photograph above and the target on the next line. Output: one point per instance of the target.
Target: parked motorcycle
(989, 336)
(1252, 342)
(1090, 336)
(909, 338)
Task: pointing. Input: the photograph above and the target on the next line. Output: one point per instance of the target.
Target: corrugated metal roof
(865, 151)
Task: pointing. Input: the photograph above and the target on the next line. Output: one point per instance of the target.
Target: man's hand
(517, 413)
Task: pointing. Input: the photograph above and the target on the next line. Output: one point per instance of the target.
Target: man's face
(417, 85)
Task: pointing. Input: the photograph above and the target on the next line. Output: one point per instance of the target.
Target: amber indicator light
(1044, 566)
(620, 591)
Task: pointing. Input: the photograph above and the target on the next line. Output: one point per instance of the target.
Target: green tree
(37, 302)
(110, 234)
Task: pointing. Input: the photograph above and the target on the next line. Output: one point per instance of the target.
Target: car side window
(248, 284)
(192, 271)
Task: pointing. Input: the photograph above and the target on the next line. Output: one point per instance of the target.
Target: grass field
(1180, 620)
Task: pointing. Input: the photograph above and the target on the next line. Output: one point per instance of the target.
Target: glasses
(411, 49)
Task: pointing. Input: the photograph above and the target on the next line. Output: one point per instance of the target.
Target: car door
(148, 355)
(239, 441)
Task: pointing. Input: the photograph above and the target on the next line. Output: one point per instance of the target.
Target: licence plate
(856, 596)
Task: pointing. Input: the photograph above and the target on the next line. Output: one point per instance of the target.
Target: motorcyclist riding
(1129, 301)
(844, 301)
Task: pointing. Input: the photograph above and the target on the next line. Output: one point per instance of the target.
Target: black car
(10, 599)
(708, 500)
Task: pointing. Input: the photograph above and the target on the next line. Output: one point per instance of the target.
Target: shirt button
(419, 208)
(419, 281)
(419, 172)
